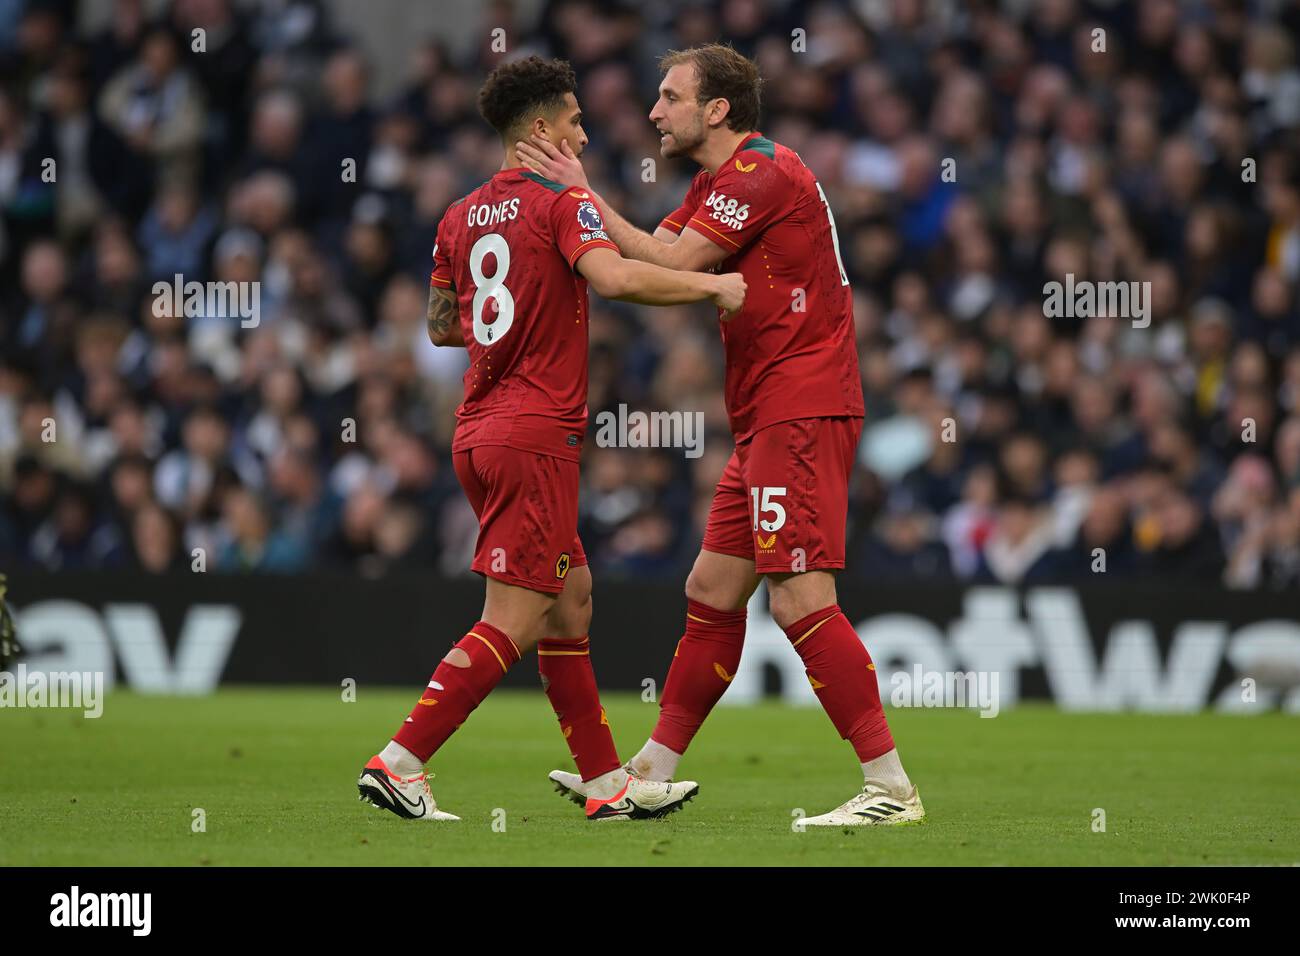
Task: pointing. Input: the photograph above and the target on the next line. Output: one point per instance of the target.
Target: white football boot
(874, 806)
(569, 785)
(640, 799)
(408, 797)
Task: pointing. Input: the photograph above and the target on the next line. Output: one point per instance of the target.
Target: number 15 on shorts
(763, 504)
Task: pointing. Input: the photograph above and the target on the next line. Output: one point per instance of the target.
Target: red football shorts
(783, 498)
(527, 507)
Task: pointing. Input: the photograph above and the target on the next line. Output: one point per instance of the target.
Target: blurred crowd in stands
(1154, 142)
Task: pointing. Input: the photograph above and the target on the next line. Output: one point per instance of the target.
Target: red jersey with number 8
(791, 351)
(509, 250)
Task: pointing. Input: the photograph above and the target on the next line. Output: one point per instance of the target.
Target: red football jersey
(509, 250)
(791, 351)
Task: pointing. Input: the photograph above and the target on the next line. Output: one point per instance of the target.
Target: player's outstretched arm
(689, 252)
(614, 277)
(444, 318)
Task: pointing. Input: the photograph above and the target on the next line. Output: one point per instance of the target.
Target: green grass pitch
(274, 771)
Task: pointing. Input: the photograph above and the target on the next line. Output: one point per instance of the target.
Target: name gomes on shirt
(491, 214)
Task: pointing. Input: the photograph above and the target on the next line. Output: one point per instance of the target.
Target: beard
(684, 141)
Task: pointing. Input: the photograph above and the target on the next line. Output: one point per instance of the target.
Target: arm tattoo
(442, 312)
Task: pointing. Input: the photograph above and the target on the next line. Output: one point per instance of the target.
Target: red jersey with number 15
(509, 249)
(791, 351)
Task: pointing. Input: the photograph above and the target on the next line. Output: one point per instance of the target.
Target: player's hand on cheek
(535, 159)
(559, 166)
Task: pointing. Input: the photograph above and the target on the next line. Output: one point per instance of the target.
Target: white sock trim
(654, 761)
(607, 785)
(401, 761)
(887, 771)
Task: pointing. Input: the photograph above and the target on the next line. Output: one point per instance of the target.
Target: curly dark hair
(529, 86)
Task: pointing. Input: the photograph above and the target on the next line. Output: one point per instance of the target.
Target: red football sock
(844, 679)
(453, 692)
(570, 685)
(703, 665)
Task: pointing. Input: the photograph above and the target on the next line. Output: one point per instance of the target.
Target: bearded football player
(794, 399)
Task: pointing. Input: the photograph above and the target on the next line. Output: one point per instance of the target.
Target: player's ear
(717, 112)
